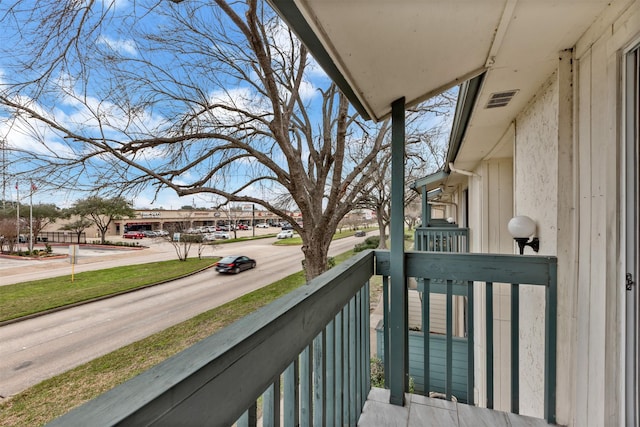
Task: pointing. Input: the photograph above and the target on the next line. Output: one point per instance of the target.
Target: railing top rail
(226, 372)
(497, 268)
(450, 229)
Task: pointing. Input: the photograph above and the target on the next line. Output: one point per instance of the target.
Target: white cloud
(120, 46)
(308, 91)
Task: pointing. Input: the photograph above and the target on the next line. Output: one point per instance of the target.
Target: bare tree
(425, 152)
(8, 234)
(200, 97)
(182, 240)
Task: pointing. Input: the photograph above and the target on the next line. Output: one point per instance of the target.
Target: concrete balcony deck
(421, 411)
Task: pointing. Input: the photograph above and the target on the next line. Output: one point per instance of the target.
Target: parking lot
(15, 270)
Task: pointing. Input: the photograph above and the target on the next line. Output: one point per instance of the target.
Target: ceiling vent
(501, 99)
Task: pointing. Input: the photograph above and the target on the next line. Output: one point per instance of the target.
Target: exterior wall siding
(600, 378)
(567, 177)
(491, 194)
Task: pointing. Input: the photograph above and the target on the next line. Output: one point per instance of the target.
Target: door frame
(631, 138)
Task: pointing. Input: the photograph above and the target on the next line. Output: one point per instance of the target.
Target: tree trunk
(316, 256)
(382, 226)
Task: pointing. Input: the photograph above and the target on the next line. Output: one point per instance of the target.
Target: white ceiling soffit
(381, 50)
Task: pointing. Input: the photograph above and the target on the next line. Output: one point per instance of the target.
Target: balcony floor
(427, 412)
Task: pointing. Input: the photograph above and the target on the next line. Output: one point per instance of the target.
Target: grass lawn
(56, 396)
(298, 240)
(36, 296)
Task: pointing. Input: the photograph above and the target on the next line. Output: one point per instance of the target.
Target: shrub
(377, 375)
(370, 242)
(377, 372)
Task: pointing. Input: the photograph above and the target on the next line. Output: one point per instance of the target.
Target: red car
(242, 227)
(133, 235)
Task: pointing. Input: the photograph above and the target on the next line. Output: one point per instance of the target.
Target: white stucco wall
(535, 190)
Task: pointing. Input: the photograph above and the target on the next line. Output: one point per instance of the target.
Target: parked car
(221, 235)
(133, 235)
(286, 226)
(285, 234)
(243, 227)
(360, 233)
(262, 225)
(235, 264)
(150, 233)
(162, 233)
(208, 237)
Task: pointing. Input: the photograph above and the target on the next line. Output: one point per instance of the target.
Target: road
(36, 349)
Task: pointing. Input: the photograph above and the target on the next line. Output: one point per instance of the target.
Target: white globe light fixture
(522, 227)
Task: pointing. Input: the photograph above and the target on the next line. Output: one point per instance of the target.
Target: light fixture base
(523, 241)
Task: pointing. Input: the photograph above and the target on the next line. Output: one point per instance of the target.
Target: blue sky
(67, 109)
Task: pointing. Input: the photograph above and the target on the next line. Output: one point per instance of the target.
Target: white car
(285, 234)
(221, 235)
(262, 225)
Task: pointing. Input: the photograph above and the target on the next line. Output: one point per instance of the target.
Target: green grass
(32, 297)
(298, 240)
(58, 395)
(243, 239)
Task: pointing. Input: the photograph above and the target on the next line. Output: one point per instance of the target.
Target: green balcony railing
(441, 239)
(302, 360)
(460, 274)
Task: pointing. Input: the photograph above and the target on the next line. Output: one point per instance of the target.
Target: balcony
(441, 239)
(305, 359)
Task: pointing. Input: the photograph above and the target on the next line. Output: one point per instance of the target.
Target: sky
(68, 110)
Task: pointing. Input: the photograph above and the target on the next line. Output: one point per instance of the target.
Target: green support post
(398, 331)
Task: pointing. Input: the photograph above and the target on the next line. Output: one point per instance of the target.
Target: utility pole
(3, 148)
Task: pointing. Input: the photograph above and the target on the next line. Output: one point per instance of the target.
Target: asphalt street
(39, 348)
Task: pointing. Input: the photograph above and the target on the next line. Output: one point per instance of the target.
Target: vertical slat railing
(328, 384)
(339, 384)
(278, 352)
(515, 348)
(458, 271)
(449, 347)
(366, 357)
(550, 344)
(291, 391)
(441, 239)
(271, 405)
(319, 377)
(346, 349)
(330, 392)
(352, 417)
(426, 321)
(489, 343)
(470, 344)
(306, 381)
